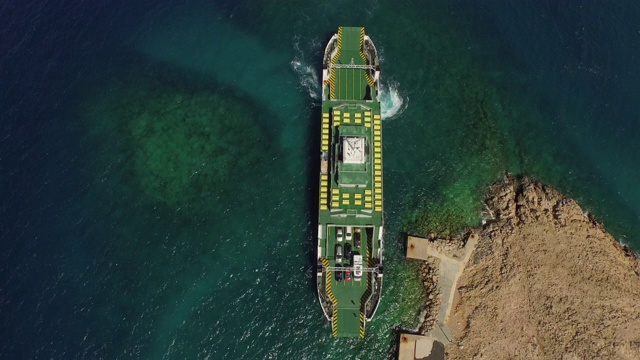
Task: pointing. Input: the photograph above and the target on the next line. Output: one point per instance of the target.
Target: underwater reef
(185, 140)
(190, 144)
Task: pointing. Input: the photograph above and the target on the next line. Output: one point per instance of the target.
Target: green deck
(350, 193)
(348, 295)
(350, 83)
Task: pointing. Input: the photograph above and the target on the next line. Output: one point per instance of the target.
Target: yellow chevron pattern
(332, 84)
(334, 320)
(367, 293)
(368, 77)
(365, 296)
(335, 58)
(332, 75)
(362, 45)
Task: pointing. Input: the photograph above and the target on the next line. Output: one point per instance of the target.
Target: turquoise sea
(158, 159)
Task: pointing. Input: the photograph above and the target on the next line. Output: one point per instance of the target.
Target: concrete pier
(450, 268)
(416, 347)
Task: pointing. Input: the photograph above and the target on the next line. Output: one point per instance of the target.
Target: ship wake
(392, 103)
(308, 74)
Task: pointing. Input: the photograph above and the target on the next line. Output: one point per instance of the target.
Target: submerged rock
(186, 145)
(185, 140)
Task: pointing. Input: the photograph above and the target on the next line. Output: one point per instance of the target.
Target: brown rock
(546, 282)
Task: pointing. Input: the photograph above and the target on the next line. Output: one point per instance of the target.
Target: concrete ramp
(450, 268)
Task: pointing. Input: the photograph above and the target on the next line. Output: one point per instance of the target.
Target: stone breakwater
(429, 312)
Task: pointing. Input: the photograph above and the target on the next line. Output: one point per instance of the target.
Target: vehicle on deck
(357, 267)
(347, 251)
(357, 238)
(338, 273)
(338, 254)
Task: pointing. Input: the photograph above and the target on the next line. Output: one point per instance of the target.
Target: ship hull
(350, 222)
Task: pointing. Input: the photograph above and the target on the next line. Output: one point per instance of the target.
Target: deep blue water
(113, 245)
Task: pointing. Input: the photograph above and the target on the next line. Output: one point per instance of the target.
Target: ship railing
(374, 296)
(340, 268)
(352, 66)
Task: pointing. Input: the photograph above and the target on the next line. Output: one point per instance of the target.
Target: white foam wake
(308, 75)
(392, 103)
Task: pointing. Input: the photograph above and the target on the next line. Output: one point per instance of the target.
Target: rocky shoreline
(545, 281)
(429, 312)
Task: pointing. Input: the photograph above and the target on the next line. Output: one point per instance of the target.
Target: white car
(339, 234)
(357, 267)
(338, 254)
(349, 233)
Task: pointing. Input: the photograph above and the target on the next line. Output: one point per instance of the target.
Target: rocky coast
(546, 281)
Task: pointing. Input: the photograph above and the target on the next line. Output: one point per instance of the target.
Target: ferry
(349, 267)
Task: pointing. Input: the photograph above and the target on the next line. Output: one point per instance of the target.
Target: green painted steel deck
(350, 191)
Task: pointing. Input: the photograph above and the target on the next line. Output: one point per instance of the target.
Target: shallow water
(112, 247)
